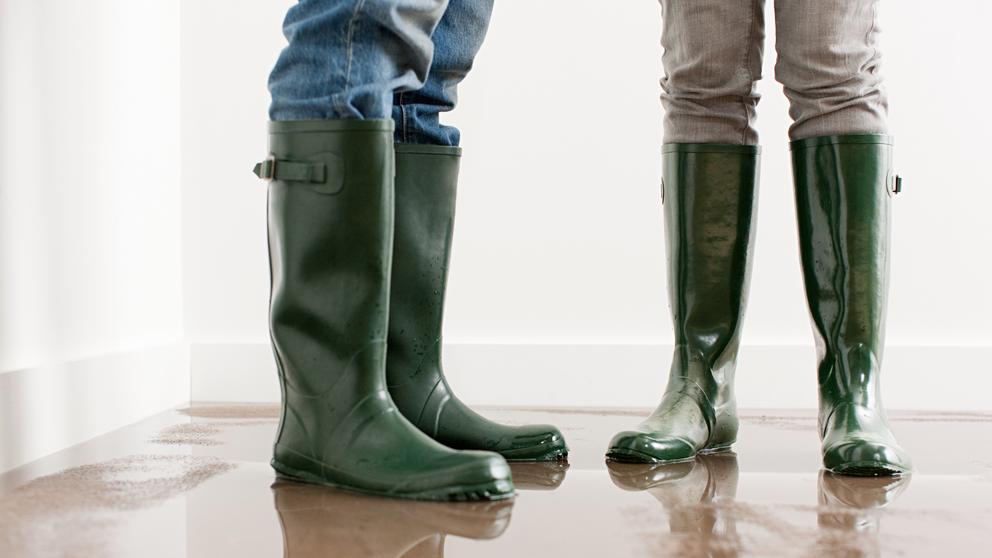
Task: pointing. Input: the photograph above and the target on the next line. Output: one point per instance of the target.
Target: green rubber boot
(708, 191)
(842, 201)
(330, 218)
(426, 180)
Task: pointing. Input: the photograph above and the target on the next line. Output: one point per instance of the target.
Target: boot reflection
(696, 494)
(850, 509)
(321, 521)
(539, 475)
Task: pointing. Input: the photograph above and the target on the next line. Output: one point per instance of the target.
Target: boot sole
(632, 456)
(490, 491)
(556, 455)
(868, 469)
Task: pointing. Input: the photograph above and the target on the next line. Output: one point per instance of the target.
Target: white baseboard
(614, 375)
(49, 408)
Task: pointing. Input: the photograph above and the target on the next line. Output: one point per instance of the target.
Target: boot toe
(461, 476)
(866, 458)
(538, 442)
(640, 447)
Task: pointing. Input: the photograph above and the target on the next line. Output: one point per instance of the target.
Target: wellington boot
(317, 521)
(708, 194)
(330, 246)
(843, 188)
(426, 179)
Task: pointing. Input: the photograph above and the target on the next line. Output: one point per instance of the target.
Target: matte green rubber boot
(330, 244)
(842, 199)
(708, 191)
(426, 180)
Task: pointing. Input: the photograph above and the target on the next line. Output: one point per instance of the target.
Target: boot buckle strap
(290, 171)
(895, 184)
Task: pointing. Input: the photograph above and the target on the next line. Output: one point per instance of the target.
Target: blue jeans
(378, 59)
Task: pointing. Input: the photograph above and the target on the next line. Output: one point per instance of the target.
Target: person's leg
(426, 181)
(712, 63)
(330, 224)
(348, 58)
(842, 167)
(709, 184)
(457, 40)
(828, 62)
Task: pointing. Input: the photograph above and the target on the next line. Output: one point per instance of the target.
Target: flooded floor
(196, 482)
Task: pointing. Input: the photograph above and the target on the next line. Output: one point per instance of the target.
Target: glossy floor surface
(196, 482)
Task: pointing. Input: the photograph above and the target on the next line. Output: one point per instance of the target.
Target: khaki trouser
(828, 64)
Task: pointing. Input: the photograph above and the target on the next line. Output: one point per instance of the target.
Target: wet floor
(195, 482)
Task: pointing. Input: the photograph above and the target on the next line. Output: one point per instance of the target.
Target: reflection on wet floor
(315, 520)
(196, 483)
(699, 498)
(539, 476)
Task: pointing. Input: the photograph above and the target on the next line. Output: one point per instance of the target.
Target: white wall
(226, 50)
(559, 237)
(90, 264)
(89, 174)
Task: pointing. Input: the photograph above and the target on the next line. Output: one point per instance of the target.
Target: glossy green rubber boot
(843, 190)
(330, 218)
(426, 180)
(708, 192)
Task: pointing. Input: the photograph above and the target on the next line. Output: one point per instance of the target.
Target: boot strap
(290, 171)
(895, 184)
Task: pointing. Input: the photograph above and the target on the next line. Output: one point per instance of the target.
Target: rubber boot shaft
(426, 183)
(330, 217)
(843, 198)
(709, 195)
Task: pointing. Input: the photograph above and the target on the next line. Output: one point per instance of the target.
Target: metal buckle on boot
(894, 185)
(266, 170)
(269, 164)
